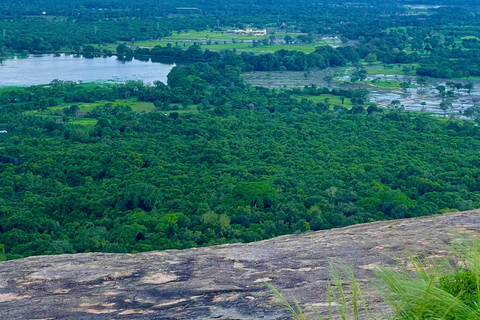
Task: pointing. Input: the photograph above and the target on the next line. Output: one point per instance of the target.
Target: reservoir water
(42, 69)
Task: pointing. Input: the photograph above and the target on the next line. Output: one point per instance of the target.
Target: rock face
(222, 282)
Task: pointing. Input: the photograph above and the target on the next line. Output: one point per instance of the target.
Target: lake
(42, 69)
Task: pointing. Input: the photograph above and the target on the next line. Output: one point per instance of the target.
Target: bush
(463, 285)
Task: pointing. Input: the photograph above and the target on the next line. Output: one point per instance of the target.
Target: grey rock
(221, 282)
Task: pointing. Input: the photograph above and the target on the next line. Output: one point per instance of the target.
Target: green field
(84, 121)
(56, 112)
(222, 35)
(332, 100)
(137, 106)
(382, 71)
(239, 46)
(218, 40)
(7, 89)
(190, 109)
(248, 47)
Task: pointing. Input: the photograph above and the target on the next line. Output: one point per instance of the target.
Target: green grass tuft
(345, 303)
(420, 290)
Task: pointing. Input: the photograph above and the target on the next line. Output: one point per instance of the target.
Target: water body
(42, 69)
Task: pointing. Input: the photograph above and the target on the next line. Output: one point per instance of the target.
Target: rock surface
(222, 282)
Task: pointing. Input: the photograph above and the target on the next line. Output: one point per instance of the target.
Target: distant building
(249, 32)
(3, 131)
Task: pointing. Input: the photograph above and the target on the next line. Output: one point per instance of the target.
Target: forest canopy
(216, 160)
(252, 164)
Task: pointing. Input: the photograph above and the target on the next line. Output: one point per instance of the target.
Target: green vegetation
(343, 303)
(192, 36)
(206, 159)
(440, 42)
(381, 71)
(247, 47)
(331, 99)
(58, 112)
(388, 84)
(432, 290)
(219, 40)
(84, 121)
(434, 293)
(233, 164)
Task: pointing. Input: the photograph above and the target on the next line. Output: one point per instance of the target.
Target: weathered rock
(222, 282)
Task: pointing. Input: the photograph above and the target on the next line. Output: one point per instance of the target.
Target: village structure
(249, 32)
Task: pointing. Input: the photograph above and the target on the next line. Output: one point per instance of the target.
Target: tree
(445, 105)
(371, 58)
(407, 70)
(73, 110)
(450, 84)
(423, 81)
(473, 112)
(272, 39)
(359, 75)
(121, 48)
(372, 109)
(395, 104)
(441, 89)
(52, 102)
(469, 86)
(458, 86)
(328, 79)
(360, 96)
(405, 86)
(288, 39)
(255, 194)
(158, 104)
(424, 106)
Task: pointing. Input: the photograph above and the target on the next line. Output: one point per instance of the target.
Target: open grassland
(222, 35)
(8, 89)
(137, 106)
(331, 99)
(56, 112)
(248, 47)
(84, 121)
(218, 40)
(239, 46)
(189, 109)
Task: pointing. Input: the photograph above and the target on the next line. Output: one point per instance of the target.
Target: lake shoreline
(41, 69)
